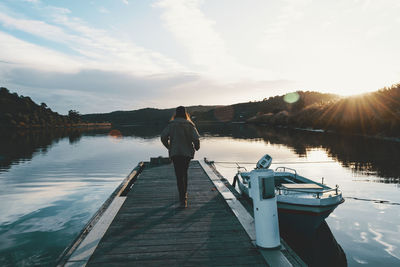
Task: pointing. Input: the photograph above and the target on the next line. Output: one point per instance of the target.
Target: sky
(106, 55)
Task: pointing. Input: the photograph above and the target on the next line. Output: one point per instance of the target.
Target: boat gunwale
(337, 199)
(326, 188)
(305, 205)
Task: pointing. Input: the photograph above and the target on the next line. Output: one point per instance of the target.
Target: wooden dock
(148, 228)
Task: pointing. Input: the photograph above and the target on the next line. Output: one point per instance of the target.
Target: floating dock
(141, 224)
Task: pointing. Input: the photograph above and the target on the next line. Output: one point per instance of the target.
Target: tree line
(376, 113)
(18, 111)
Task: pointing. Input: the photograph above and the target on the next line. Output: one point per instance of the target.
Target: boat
(302, 203)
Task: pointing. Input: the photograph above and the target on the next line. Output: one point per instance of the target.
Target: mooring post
(262, 191)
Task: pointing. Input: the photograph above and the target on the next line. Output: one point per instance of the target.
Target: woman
(181, 138)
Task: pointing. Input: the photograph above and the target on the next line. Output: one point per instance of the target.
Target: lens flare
(115, 135)
(291, 97)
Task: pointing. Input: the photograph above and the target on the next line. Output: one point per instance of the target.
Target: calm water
(52, 183)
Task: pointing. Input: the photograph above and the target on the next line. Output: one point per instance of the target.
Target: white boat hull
(300, 209)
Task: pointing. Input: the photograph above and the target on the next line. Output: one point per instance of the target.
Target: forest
(18, 111)
(376, 113)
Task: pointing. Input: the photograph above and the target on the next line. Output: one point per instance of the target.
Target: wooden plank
(240, 212)
(151, 230)
(174, 253)
(210, 259)
(65, 256)
(186, 263)
(89, 244)
(177, 241)
(182, 262)
(138, 248)
(273, 257)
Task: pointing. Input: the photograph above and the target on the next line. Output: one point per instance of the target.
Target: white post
(262, 191)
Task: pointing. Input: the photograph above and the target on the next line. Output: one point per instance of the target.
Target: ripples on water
(51, 183)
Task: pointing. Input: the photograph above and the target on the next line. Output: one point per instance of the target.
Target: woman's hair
(180, 112)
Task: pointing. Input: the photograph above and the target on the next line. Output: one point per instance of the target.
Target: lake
(51, 183)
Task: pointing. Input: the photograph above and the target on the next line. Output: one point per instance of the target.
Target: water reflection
(56, 180)
(22, 145)
(368, 156)
(318, 248)
(363, 155)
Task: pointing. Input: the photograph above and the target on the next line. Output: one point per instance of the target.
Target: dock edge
(272, 257)
(120, 191)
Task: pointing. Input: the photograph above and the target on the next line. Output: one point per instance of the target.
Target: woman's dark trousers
(181, 165)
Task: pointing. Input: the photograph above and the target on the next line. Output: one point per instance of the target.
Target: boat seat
(302, 186)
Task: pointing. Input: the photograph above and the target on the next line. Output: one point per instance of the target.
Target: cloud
(95, 90)
(108, 73)
(35, 27)
(204, 45)
(249, 53)
(113, 53)
(196, 32)
(20, 53)
(125, 2)
(104, 10)
(102, 91)
(96, 48)
(291, 12)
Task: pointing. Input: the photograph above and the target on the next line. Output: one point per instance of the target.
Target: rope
(224, 166)
(380, 201)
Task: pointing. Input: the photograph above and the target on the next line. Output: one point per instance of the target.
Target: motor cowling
(264, 162)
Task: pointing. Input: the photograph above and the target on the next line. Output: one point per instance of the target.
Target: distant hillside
(21, 112)
(140, 116)
(372, 113)
(237, 112)
(274, 105)
(376, 113)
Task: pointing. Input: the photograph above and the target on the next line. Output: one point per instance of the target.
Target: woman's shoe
(186, 200)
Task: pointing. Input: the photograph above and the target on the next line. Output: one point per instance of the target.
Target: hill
(141, 116)
(237, 112)
(250, 111)
(376, 113)
(22, 112)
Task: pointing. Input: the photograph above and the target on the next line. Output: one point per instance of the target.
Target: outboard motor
(264, 162)
(262, 191)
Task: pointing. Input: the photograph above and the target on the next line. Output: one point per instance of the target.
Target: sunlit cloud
(97, 49)
(327, 46)
(19, 53)
(203, 44)
(35, 27)
(291, 12)
(229, 50)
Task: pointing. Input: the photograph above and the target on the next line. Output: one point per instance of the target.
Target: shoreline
(379, 136)
(62, 126)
